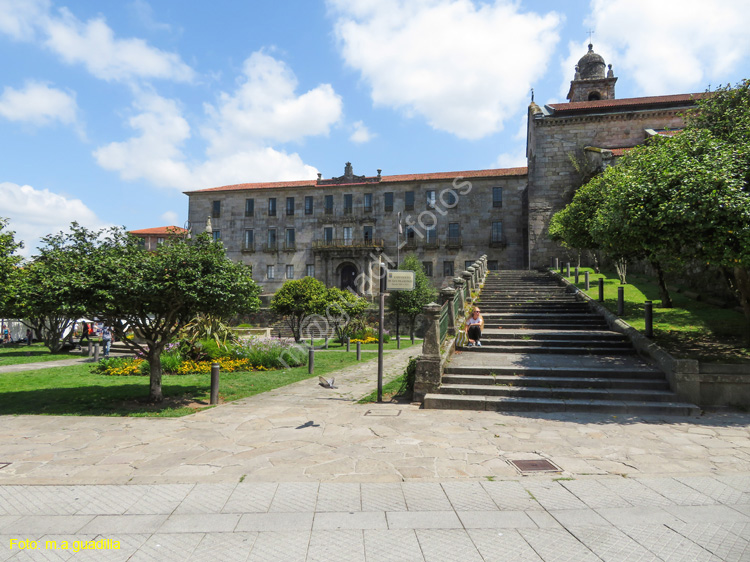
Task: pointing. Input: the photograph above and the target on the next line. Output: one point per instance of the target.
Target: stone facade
(339, 229)
(353, 221)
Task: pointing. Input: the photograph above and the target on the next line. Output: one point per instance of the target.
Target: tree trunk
(595, 255)
(742, 290)
(413, 320)
(621, 265)
(154, 363)
(666, 300)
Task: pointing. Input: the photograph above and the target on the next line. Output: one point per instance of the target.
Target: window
(249, 242)
(411, 239)
(217, 235)
(447, 269)
(492, 265)
(431, 237)
(448, 198)
(249, 207)
(430, 198)
(290, 272)
(329, 205)
(310, 270)
(269, 272)
(290, 205)
(272, 207)
(454, 230)
(159, 241)
(497, 197)
(368, 203)
(388, 201)
(497, 232)
(409, 201)
(216, 209)
(289, 241)
(427, 265)
(271, 238)
(328, 234)
(347, 236)
(348, 203)
(308, 205)
(367, 233)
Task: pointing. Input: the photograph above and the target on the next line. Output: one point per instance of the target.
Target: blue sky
(109, 111)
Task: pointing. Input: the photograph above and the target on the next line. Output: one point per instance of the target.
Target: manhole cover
(538, 465)
(383, 412)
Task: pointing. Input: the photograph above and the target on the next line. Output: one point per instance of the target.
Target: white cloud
(515, 159)
(38, 104)
(361, 133)
(92, 43)
(670, 46)
(465, 68)
(170, 218)
(34, 213)
(238, 134)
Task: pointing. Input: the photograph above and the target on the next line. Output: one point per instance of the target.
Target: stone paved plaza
(304, 473)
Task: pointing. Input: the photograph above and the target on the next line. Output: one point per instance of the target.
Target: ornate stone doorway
(348, 276)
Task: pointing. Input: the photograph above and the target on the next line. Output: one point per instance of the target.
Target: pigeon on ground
(325, 383)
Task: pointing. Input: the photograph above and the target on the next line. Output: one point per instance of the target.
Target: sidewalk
(304, 473)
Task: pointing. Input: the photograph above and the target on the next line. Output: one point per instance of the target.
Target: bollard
(576, 275)
(562, 268)
(96, 352)
(214, 383)
(311, 361)
(412, 338)
(568, 270)
(312, 343)
(601, 289)
(648, 309)
(359, 351)
(347, 344)
(325, 346)
(586, 280)
(556, 264)
(398, 341)
(620, 301)
(91, 348)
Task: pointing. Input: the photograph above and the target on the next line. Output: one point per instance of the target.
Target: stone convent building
(338, 229)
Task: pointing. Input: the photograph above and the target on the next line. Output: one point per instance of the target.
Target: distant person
(106, 340)
(29, 336)
(84, 334)
(474, 327)
(6, 335)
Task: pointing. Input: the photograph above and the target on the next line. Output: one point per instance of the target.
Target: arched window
(594, 96)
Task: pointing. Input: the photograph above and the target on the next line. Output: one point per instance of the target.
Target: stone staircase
(545, 350)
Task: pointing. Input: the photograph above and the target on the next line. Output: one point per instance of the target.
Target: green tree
(411, 303)
(298, 300)
(345, 311)
(156, 293)
(9, 260)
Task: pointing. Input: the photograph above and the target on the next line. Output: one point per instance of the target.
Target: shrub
(370, 333)
(271, 353)
(121, 366)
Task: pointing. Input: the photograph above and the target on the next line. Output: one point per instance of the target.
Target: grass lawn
(335, 346)
(689, 330)
(15, 354)
(76, 391)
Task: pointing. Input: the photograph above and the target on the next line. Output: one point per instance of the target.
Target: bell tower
(590, 82)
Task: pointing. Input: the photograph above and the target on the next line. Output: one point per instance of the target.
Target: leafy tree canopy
(298, 299)
(411, 303)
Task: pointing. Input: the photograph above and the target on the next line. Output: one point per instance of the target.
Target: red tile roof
(626, 103)
(166, 230)
(491, 173)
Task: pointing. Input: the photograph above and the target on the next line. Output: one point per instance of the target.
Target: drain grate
(536, 465)
(383, 413)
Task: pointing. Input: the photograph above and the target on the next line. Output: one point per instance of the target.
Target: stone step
(578, 350)
(644, 373)
(559, 392)
(492, 333)
(510, 404)
(491, 341)
(547, 381)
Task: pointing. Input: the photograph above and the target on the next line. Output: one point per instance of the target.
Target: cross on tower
(591, 32)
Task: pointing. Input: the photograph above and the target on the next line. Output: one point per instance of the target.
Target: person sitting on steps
(474, 327)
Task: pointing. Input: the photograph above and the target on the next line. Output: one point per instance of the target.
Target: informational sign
(399, 281)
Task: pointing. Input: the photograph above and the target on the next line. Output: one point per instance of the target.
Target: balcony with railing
(431, 244)
(248, 248)
(453, 242)
(410, 243)
(338, 243)
(290, 246)
(271, 248)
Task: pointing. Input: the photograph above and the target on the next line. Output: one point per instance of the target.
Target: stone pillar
(427, 378)
(447, 294)
(468, 279)
(459, 284)
(474, 277)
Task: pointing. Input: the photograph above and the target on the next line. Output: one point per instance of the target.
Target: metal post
(620, 301)
(91, 348)
(359, 351)
(412, 338)
(347, 344)
(215, 383)
(601, 289)
(311, 360)
(648, 309)
(383, 279)
(576, 275)
(568, 269)
(557, 265)
(398, 341)
(326, 343)
(312, 343)
(96, 352)
(586, 279)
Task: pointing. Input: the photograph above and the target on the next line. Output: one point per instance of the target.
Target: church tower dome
(591, 82)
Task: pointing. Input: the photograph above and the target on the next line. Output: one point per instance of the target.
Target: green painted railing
(445, 318)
